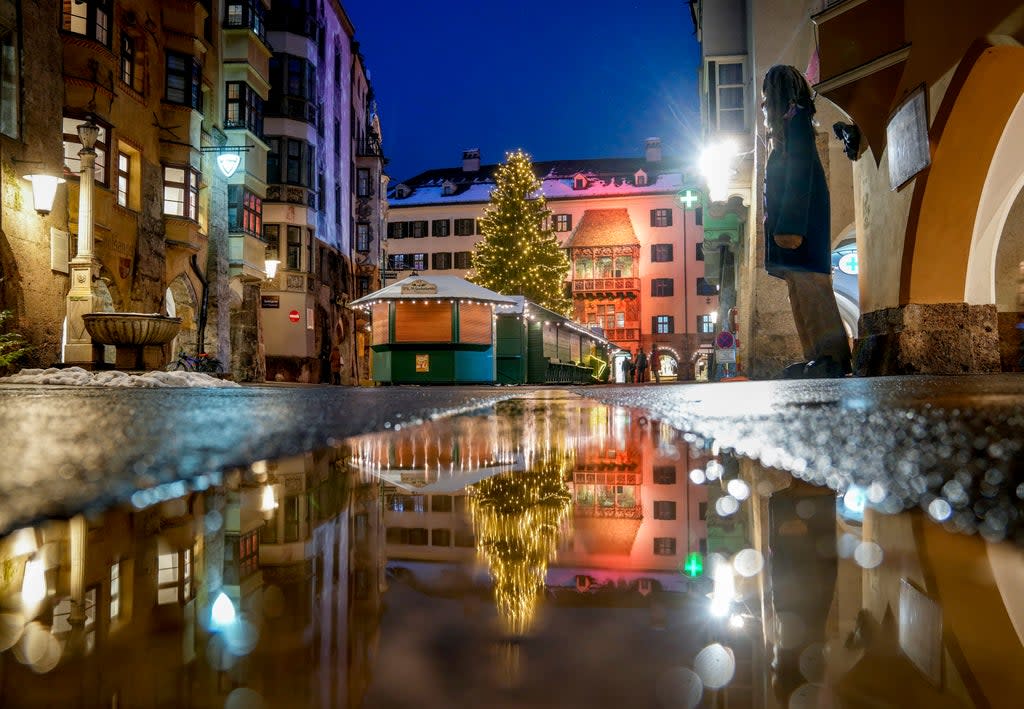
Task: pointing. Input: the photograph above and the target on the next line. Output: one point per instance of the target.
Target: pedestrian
(656, 364)
(797, 231)
(337, 362)
(630, 371)
(641, 366)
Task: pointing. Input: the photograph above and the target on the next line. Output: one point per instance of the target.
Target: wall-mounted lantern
(44, 191)
(270, 263)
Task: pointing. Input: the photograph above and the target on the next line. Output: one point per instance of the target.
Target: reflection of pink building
(635, 514)
(634, 510)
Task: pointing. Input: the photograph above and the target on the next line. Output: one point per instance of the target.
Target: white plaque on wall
(309, 319)
(906, 137)
(58, 250)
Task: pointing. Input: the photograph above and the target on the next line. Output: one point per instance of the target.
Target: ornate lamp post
(82, 298)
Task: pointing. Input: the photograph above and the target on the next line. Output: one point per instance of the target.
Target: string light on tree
(519, 254)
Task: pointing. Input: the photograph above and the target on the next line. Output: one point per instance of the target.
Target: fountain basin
(131, 329)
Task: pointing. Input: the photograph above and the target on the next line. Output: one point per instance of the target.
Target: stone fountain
(138, 337)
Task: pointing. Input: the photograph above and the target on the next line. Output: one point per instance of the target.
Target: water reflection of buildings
(222, 592)
(634, 514)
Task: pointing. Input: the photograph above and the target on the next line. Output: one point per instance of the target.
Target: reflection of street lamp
(268, 502)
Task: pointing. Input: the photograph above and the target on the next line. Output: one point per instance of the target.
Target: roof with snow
(606, 177)
(439, 287)
(604, 227)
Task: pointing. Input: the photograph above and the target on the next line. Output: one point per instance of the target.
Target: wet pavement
(548, 551)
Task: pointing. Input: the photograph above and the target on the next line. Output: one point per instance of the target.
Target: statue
(797, 230)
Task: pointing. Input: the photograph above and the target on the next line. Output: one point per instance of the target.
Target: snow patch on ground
(76, 376)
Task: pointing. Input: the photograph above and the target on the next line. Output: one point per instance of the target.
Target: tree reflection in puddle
(550, 553)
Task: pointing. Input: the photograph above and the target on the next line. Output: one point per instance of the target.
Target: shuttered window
(423, 322)
(475, 323)
(380, 324)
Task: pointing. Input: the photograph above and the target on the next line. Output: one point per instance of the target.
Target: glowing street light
(716, 165)
(223, 613)
(44, 191)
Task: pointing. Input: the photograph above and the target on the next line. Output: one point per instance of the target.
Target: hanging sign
(419, 287)
(422, 363)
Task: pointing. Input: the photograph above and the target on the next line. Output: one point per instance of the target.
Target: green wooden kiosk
(433, 330)
(538, 346)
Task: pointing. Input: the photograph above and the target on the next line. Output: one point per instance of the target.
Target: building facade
(937, 226)
(204, 158)
(320, 123)
(634, 248)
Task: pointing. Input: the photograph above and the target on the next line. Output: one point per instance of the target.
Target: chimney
(652, 149)
(471, 160)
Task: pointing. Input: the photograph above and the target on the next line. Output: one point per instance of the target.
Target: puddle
(553, 552)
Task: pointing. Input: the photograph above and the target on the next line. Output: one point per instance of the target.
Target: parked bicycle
(201, 362)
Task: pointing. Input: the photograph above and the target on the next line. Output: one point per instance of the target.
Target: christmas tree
(519, 254)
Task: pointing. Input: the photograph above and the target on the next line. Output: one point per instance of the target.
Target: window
(244, 107)
(290, 161)
(293, 82)
(700, 250)
(464, 538)
(664, 546)
(272, 235)
(441, 261)
(706, 324)
(128, 66)
(362, 237)
(463, 259)
(705, 288)
(725, 95)
(10, 72)
(664, 509)
(664, 475)
(181, 192)
(579, 182)
(607, 318)
(419, 262)
(362, 180)
(363, 284)
(440, 538)
(440, 227)
(663, 324)
(184, 81)
(440, 503)
(661, 287)
(563, 222)
(89, 18)
(293, 255)
(418, 229)
(174, 577)
(245, 211)
(124, 164)
(246, 14)
(640, 178)
(463, 227)
(416, 536)
(661, 252)
(399, 262)
(72, 145)
(661, 217)
(115, 590)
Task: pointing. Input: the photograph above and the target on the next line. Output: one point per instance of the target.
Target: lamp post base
(82, 299)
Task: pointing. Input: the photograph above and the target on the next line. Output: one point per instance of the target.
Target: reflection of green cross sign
(689, 198)
(694, 565)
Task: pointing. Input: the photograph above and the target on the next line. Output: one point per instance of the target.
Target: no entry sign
(294, 316)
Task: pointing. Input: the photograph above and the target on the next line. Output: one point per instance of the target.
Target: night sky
(558, 78)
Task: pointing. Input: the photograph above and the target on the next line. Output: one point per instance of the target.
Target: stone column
(83, 298)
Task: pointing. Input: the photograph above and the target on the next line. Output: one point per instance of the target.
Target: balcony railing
(605, 285)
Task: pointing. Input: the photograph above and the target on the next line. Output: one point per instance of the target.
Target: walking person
(656, 364)
(797, 229)
(641, 366)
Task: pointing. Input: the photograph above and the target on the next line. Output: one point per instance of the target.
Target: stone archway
(1008, 283)
(180, 301)
(957, 196)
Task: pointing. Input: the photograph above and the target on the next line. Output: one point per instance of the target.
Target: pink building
(637, 262)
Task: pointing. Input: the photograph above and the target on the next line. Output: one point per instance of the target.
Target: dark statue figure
(797, 230)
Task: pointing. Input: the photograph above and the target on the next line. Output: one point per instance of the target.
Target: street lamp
(270, 263)
(716, 165)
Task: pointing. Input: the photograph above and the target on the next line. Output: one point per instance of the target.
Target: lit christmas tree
(519, 254)
(517, 518)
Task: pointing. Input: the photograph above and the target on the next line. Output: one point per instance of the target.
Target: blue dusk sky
(561, 79)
